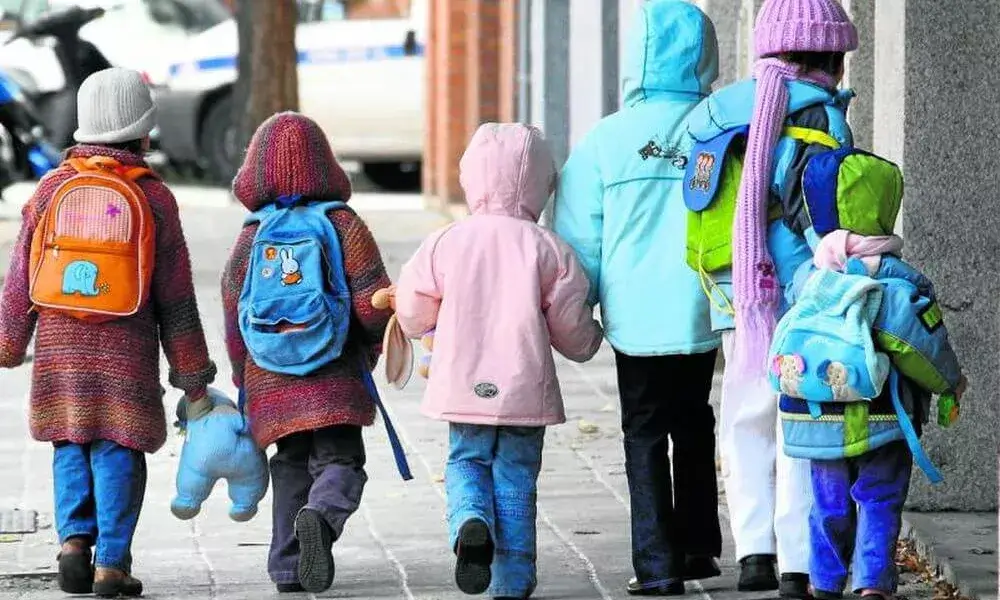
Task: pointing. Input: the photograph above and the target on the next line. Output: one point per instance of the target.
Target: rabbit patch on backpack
(290, 274)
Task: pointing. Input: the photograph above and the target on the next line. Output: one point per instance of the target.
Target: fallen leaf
(438, 479)
(586, 427)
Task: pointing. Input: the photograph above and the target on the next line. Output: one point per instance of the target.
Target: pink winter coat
(500, 290)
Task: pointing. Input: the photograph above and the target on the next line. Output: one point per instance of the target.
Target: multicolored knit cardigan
(102, 381)
(289, 155)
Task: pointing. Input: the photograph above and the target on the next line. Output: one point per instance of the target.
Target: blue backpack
(822, 350)
(295, 308)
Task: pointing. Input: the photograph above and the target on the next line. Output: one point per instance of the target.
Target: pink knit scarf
(838, 246)
(755, 283)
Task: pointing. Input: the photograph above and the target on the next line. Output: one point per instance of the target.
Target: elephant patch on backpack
(295, 307)
(823, 350)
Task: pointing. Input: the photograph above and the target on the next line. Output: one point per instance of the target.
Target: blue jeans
(857, 512)
(492, 475)
(99, 489)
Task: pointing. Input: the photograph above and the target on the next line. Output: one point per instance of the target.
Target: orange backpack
(93, 250)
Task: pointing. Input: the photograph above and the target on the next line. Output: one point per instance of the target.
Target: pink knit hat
(803, 26)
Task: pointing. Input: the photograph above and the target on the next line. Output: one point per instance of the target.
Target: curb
(942, 566)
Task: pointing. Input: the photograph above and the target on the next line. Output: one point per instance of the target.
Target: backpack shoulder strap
(326, 206)
(259, 215)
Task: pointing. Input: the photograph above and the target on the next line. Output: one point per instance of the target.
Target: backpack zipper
(82, 248)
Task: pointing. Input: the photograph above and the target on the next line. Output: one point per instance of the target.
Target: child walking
(301, 332)
(499, 290)
(751, 140)
(863, 320)
(620, 206)
(102, 270)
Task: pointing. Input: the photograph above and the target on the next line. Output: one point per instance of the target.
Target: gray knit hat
(114, 106)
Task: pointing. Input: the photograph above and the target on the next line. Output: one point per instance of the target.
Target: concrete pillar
(593, 73)
(550, 106)
(935, 99)
(626, 18)
(550, 66)
(860, 72)
(725, 14)
(744, 37)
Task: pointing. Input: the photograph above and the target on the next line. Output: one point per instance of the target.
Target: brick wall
(471, 79)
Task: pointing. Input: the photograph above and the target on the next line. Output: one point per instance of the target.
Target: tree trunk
(268, 79)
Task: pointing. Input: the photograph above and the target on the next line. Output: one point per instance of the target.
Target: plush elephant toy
(218, 445)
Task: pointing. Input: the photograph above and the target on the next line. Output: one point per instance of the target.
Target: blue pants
(492, 475)
(99, 489)
(857, 512)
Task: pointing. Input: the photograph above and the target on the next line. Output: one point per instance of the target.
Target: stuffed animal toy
(218, 445)
(397, 348)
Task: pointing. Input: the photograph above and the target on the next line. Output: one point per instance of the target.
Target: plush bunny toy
(217, 446)
(397, 348)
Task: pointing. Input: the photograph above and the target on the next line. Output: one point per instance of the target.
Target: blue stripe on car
(313, 57)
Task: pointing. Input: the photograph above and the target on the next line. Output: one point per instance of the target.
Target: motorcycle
(78, 59)
(25, 153)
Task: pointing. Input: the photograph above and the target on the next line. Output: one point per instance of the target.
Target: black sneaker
(290, 588)
(701, 567)
(757, 573)
(824, 595)
(76, 572)
(474, 555)
(794, 586)
(316, 566)
(634, 588)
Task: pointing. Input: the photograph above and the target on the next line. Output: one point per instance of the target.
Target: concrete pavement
(395, 547)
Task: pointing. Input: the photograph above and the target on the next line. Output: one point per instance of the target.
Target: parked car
(137, 34)
(361, 77)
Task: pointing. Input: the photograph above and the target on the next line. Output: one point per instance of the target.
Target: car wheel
(218, 141)
(394, 176)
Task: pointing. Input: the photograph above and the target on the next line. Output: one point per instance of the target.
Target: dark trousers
(322, 470)
(665, 401)
(856, 517)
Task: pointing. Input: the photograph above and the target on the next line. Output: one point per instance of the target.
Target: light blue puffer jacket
(619, 202)
(732, 107)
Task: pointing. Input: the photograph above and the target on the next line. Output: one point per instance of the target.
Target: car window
(28, 10)
(313, 11)
(192, 16)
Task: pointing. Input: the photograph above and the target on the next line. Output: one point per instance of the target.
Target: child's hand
(963, 384)
(385, 298)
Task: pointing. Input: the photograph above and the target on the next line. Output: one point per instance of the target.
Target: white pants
(769, 495)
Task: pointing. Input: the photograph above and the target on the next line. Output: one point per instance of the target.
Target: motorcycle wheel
(9, 169)
(218, 141)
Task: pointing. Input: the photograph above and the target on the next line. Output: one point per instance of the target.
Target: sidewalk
(395, 547)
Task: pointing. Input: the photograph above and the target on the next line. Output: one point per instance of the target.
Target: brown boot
(112, 583)
(76, 573)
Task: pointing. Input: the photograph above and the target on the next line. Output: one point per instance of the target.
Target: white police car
(361, 77)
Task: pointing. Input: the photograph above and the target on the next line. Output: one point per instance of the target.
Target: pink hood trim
(507, 170)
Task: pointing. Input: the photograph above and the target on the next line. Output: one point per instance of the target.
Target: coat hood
(289, 155)
(507, 170)
(672, 51)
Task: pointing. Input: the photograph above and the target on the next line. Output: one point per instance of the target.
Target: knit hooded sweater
(289, 155)
(102, 381)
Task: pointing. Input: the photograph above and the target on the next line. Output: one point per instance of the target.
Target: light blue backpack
(822, 350)
(295, 308)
